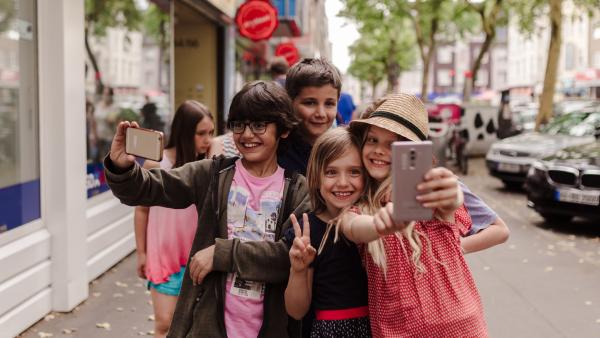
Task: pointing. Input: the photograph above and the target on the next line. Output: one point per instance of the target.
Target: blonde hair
(329, 147)
(375, 193)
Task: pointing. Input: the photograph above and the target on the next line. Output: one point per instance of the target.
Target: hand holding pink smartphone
(410, 162)
(144, 143)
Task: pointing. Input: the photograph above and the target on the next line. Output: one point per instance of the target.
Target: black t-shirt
(339, 280)
(293, 153)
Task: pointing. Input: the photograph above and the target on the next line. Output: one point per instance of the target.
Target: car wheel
(551, 218)
(513, 185)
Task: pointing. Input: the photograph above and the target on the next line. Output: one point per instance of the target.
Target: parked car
(524, 117)
(574, 105)
(566, 184)
(510, 159)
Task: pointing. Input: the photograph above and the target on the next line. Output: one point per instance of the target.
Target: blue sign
(19, 204)
(95, 180)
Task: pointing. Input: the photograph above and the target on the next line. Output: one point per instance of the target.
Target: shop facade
(60, 227)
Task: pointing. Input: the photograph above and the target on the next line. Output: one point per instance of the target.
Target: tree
(431, 20)
(156, 25)
(102, 14)
(366, 65)
(491, 15)
(527, 11)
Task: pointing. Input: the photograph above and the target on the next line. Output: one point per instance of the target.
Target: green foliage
(527, 12)
(127, 114)
(156, 23)
(7, 12)
(102, 14)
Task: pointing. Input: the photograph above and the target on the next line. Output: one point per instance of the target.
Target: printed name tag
(247, 289)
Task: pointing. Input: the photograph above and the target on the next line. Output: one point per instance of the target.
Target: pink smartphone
(410, 163)
(144, 143)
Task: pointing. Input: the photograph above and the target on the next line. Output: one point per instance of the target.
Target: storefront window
(19, 150)
(127, 74)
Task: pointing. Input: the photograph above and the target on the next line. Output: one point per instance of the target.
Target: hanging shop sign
(256, 20)
(289, 51)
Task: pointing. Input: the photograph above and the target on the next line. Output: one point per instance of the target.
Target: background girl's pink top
(442, 302)
(169, 237)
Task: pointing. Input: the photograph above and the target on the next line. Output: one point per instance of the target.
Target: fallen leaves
(69, 331)
(121, 285)
(548, 269)
(151, 318)
(42, 334)
(104, 325)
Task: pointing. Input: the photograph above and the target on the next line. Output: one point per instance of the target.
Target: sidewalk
(118, 306)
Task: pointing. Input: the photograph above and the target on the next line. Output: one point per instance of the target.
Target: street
(542, 283)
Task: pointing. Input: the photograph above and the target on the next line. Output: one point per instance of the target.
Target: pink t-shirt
(169, 238)
(252, 207)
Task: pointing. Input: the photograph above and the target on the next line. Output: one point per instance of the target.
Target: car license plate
(578, 196)
(509, 167)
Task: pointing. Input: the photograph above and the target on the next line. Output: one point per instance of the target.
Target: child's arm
(298, 293)
(177, 188)
(496, 233)
(140, 221)
(488, 229)
(261, 261)
(366, 228)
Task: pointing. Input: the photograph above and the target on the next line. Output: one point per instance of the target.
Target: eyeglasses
(257, 127)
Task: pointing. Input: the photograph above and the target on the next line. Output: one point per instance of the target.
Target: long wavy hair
(373, 201)
(183, 131)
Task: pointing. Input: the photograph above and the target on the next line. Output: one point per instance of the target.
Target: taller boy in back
(238, 200)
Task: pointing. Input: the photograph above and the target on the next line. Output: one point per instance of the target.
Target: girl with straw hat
(418, 281)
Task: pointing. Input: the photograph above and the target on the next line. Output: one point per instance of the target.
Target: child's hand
(444, 193)
(301, 253)
(201, 264)
(383, 222)
(141, 265)
(118, 156)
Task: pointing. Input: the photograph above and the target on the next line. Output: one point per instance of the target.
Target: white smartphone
(410, 163)
(144, 143)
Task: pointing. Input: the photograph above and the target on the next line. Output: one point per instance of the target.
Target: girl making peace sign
(334, 281)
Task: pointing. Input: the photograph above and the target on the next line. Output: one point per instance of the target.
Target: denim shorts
(172, 286)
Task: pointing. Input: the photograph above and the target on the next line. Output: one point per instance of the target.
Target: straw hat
(402, 114)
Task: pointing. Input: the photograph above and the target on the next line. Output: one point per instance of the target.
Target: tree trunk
(427, 59)
(392, 68)
(373, 90)
(547, 98)
(489, 28)
(470, 83)
(97, 74)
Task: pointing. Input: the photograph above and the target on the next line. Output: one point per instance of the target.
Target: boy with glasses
(229, 289)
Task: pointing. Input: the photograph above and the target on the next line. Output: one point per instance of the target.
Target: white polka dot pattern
(442, 302)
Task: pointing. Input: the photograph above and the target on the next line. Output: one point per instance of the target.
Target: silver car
(510, 159)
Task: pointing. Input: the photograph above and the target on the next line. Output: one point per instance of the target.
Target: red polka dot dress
(441, 302)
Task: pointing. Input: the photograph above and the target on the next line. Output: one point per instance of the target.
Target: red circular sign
(256, 19)
(289, 51)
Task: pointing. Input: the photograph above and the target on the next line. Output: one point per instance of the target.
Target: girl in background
(164, 236)
(334, 282)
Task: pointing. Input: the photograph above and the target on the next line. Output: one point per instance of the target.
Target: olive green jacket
(200, 309)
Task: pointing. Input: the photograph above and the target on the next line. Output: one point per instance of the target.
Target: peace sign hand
(301, 253)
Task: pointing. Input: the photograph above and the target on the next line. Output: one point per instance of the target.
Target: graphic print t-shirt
(252, 208)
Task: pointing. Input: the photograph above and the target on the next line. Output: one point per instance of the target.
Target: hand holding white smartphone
(144, 143)
(410, 163)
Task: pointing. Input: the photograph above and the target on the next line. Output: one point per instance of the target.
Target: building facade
(59, 226)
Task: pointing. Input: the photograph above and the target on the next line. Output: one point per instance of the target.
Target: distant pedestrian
(278, 68)
(163, 235)
(345, 108)
(150, 117)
